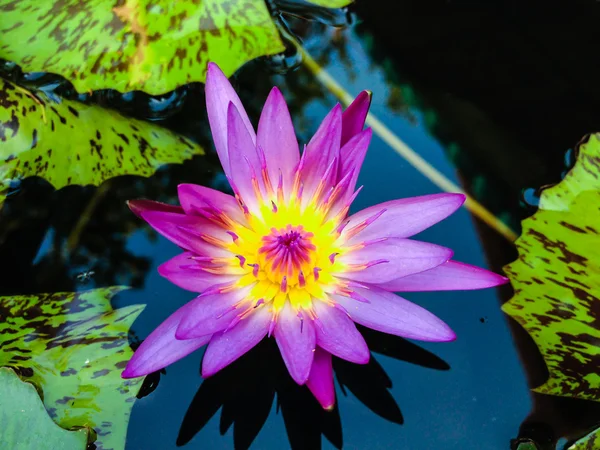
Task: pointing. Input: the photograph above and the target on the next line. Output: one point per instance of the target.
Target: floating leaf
(557, 279)
(26, 424)
(73, 143)
(331, 3)
(588, 442)
(148, 45)
(73, 346)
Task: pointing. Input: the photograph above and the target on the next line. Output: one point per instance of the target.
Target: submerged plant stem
(86, 215)
(412, 157)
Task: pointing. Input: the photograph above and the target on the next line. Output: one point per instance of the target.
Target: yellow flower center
(288, 252)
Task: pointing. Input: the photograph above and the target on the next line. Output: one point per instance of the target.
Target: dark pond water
(460, 87)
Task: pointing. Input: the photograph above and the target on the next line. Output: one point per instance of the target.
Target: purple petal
(352, 156)
(209, 314)
(337, 334)
(224, 348)
(450, 276)
(219, 93)
(391, 314)
(391, 259)
(320, 380)
(402, 218)
(295, 336)
(353, 119)
(277, 138)
(141, 205)
(187, 231)
(322, 150)
(161, 348)
(243, 159)
(185, 273)
(206, 202)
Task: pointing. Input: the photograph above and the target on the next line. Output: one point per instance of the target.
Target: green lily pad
(557, 279)
(148, 45)
(589, 442)
(73, 347)
(26, 424)
(73, 143)
(331, 3)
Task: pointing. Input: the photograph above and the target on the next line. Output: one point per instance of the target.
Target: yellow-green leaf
(25, 424)
(331, 3)
(73, 143)
(557, 279)
(74, 346)
(590, 441)
(148, 45)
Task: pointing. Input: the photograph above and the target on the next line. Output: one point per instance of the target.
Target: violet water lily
(282, 258)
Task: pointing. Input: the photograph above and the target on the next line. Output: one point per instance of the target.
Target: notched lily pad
(557, 279)
(148, 45)
(26, 424)
(74, 346)
(73, 143)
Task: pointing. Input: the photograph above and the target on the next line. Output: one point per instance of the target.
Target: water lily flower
(282, 258)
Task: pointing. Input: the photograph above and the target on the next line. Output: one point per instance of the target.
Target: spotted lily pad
(588, 442)
(557, 279)
(331, 3)
(148, 45)
(26, 424)
(73, 347)
(73, 143)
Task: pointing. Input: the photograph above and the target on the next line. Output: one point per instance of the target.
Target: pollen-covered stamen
(286, 252)
(332, 257)
(242, 260)
(301, 279)
(255, 269)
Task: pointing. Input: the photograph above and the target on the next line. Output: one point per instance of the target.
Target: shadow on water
(245, 391)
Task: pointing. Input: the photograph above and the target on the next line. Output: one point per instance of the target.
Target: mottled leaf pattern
(25, 424)
(331, 3)
(73, 143)
(557, 279)
(74, 346)
(588, 442)
(148, 45)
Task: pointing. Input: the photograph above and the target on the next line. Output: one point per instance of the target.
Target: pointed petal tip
(131, 372)
(127, 374)
(207, 373)
(462, 198)
(364, 359)
(213, 69)
(445, 334)
(136, 207)
(364, 95)
(140, 206)
(328, 407)
(275, 91)
(449, 337)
